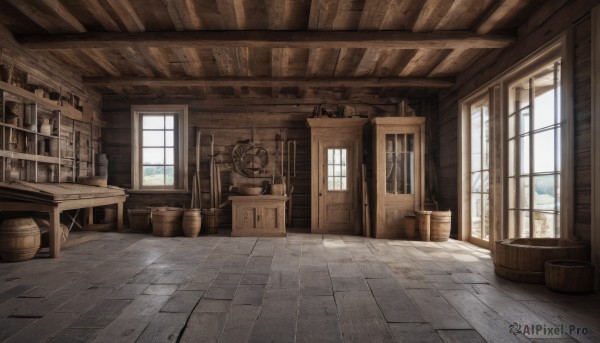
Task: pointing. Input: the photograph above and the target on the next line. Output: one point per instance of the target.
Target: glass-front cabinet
(398, 172)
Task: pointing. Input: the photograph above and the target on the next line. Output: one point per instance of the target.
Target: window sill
(157, 191)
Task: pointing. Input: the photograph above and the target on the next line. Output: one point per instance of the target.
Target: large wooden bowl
(250, 190)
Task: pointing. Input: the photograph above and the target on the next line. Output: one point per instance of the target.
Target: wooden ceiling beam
(270, 39)
(96, 56)
(270, 82)
(102, 16)
(497, 13)
(36, 15)
(127, 15)
(431, 14)
(191, 62)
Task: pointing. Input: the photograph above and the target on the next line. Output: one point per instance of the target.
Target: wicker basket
(211, 218)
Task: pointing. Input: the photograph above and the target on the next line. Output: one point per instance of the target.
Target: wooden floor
(120, 287)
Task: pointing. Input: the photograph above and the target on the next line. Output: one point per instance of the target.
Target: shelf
(29, 131)
(68, 112)
(30, 157)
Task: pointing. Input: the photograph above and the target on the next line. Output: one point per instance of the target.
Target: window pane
(337, 183)
(169, 138)
(523, 121)
(476, 141)
(343, 169)
(410, 173)
(153, 138)
(558, 150)
(512, 220)
(169, 122)
(389, 173)
(485, 219)
(511, 158)
(330, 182)
(169, 176)
(410, 143)
(524, 223)
(336, 156)
(153, 176)
(344, 186)
(400, 145)
(543, 146)
(512, 192)
(511, 126)
(153, 156)
(170, 156)
(400, 173)
(544, 104)
(524, 152)
(476, 182)
(485, 149)
(389, 143)
(543, 224)
(153, 122)
(486, 181)
(344, 153)
(543, 196)
(523, 193)
(476, 215)
(330, 170)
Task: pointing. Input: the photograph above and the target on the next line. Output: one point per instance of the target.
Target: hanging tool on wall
(196, 189)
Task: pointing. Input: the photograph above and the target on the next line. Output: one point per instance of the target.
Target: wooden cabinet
(398, 172)
(38, 141)
(336, 160)
(258, 216)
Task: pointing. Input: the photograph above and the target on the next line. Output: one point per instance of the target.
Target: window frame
(497, 91)
(181, 146)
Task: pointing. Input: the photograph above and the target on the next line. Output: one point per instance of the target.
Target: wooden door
(398, 171)
(338, 193)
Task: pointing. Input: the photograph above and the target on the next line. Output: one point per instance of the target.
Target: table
(54, 198)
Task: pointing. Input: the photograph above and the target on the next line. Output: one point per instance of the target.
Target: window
(534, 153)
(159, 147)
(516, 135)
(400, 163)
(336, 170)
(479, 123)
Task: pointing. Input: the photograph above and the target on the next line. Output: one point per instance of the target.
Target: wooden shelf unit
(20, 158)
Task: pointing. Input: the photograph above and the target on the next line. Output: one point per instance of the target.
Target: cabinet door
(271, 217)
(248, 217)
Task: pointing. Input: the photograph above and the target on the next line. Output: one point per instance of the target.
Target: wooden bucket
(569, 276)
(211, 219)
(191, 222)
(19, 239)
(423, 220)
(139, 219)
(167, 223)
(440, 226)
(409, 226)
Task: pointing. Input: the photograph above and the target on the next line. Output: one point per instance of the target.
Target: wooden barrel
(423, 220)
(139, 219)
(440, 226)
(191, 222)
(523, 259)
(167, 223)
(19, 239)
(409, 226)
(570, 276)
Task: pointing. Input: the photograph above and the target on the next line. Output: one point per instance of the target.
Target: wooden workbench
(54, 198)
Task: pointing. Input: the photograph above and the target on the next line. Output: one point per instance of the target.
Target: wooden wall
(230, 126)
(533, 35)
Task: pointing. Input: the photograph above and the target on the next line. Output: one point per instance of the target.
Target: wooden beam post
(596, 142)
(270, 39)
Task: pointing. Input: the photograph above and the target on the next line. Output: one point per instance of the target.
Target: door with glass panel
(336, 159)
(479, 209)
(398, 150)
(338, 195)
(533, 141)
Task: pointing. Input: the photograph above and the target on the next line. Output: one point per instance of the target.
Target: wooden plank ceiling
(338, 49)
